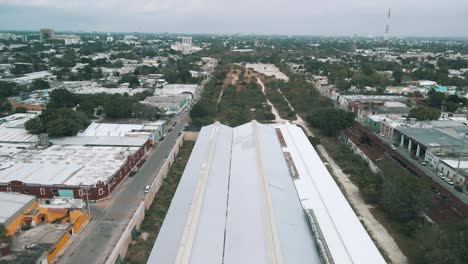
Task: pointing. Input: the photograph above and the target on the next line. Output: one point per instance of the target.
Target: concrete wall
(121, 247)
(358, 151)
(190, 136)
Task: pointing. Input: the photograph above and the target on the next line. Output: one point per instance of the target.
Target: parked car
(441, 175)
(449, 181)
(147, 188)
(382, 135)
(458, 188)
(393, 147)
(422, 162)
(133, 172)
(142, 161)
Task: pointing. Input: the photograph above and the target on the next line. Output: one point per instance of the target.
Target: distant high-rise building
(47, 33)
(187, 40)
(354, 43)
(387, 28)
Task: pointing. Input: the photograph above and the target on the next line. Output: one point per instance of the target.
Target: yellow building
(40, 230)
(13, 207)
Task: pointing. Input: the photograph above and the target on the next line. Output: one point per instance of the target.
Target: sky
(440, 18)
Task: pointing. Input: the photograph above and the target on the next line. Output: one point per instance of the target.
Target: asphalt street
(110, 217)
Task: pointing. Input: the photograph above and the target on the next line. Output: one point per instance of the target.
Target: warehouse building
(174, 89)
(152, 130)
(12, 129)
(248, 196)
(171, 104)
(87, 166)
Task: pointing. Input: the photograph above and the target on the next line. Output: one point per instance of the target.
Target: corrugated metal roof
(235, 203)
(344, 235)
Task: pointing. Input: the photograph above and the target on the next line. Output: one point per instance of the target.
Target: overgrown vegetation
(273, 94)
(398, 194)
(139, 251)
(239, 103)
(68, 113)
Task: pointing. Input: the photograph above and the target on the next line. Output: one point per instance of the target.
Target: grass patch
(139, 250)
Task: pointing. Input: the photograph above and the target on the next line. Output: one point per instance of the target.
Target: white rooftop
(67, 164)
(268, 70)
(38, 173)
(109, 129)
(12, 129)
(12, 203)
(343, 233)
(236, 203)
(101, 141)
(173, 89)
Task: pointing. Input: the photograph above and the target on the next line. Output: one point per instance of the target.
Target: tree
(5, 105)
(435, 99)
(131, 79)
(8, 89)
(40, 84)
(342, 84)
(451, 106)
(424, 113)
(198, 110)
(397, 76)
(447, 244)
(331, 120)
(58, 122)
(62, 98)
(119, 106)
(35, 125)
(404, 197)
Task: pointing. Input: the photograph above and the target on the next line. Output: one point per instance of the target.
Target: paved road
(110, 217)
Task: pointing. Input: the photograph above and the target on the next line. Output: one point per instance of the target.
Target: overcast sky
(304, 17)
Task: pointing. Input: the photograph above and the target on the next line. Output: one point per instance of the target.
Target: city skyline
(339, 17)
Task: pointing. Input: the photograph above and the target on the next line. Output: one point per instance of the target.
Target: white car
(393, 147)
(449, 181)
(147, 189)
(441, 175)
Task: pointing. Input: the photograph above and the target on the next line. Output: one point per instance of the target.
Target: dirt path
(278, 119)
(375, 229)
(233, 82)
(299, 121)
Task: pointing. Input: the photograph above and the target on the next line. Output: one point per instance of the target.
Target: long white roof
(66, 164)
(345, 237)
(235, 203)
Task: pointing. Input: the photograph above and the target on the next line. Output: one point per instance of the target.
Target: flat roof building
(174, 89)
(172, 104)
(246, 196)
(12, 129)
(12, 205)
(235, 203)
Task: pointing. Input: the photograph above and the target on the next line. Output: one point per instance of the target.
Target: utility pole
(87, 204)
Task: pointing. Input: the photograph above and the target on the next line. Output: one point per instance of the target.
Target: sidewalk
(376, 230)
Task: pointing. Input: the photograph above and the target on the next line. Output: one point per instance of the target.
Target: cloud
(365, 17)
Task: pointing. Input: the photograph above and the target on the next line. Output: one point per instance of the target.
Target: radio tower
(387, 28)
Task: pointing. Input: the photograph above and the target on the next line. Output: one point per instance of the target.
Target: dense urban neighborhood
(177, 148)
